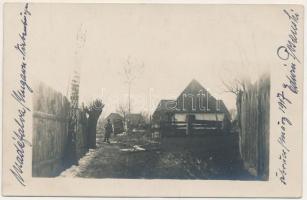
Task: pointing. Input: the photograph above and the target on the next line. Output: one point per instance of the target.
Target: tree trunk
(92, 124)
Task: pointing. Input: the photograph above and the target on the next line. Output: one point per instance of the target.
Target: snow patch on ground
(138, 148)
(122, 134)
(133, 149)
(74, 170)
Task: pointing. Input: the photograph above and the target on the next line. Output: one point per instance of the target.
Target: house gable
(196, 99)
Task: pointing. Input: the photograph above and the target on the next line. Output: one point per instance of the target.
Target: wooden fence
(50, 132)
(254, 123)
(196, 127)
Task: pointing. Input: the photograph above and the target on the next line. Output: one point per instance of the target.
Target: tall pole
(75, 83)
(74, 99)
(207, 100)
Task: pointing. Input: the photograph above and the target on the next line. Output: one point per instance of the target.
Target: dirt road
(138, 156)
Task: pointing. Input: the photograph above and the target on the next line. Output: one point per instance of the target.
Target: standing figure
(108, 130)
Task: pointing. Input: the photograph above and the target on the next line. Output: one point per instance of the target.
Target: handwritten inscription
(288, 54)
(19, 95)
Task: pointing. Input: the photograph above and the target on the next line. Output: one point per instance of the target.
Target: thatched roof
(135, 118)
(193, 99)
(114, 116)
(166, 105)
(196, 99)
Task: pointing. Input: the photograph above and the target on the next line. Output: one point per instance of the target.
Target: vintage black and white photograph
(162, 92)
(154, 92)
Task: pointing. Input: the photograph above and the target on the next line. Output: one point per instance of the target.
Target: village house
(117, 122)
(195, 111)
(135, 121)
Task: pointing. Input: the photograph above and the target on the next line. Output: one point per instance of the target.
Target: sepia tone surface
(118, 94)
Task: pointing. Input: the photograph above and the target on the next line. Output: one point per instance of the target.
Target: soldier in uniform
(108, 130)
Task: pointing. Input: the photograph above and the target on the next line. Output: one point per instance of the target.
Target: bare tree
(130, 72)
(123, 110)
(236, 81)
(234, 86)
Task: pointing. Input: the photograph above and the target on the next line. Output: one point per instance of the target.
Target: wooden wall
(50, 129)
(254, 120)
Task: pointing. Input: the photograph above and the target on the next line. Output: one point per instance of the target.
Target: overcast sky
(175, 43)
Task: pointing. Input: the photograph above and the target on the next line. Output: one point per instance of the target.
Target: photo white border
(180, 2)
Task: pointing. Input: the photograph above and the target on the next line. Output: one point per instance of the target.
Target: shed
(117, 122)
